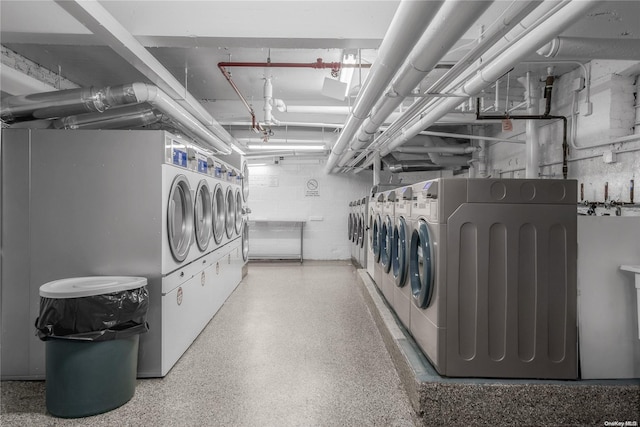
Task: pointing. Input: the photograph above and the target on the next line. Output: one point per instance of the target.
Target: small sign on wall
(311, 188)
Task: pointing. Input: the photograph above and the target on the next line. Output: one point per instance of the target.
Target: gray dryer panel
(511, 293)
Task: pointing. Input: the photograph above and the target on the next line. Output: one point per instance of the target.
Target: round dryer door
(360, 231)
(386, 244)
(350, 227)
(375, 235)
(180, 218)
(401, 257)
(218, 214)
(421, 265)
(245, 182)
(203, 215)
(230, 213)
(238, 213)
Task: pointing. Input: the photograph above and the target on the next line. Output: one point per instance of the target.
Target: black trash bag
(94, 318)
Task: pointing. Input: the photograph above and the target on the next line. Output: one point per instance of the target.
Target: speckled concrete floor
(293, 345)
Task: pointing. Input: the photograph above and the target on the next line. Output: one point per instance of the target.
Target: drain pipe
(492, 71)
(409, 22)
(376, 169)
(450, 23)
(482, 153)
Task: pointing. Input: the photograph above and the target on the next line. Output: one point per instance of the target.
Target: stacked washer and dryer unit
(485, 275)
(137, 203)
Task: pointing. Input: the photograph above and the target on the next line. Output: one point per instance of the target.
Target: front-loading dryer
(372, 217)
(386, 245)
(493, 277)
(377, 240)
(402, 230)
(363, 246)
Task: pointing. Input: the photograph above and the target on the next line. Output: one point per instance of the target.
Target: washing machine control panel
(426, 200)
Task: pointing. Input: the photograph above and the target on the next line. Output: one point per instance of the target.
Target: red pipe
(319, 64)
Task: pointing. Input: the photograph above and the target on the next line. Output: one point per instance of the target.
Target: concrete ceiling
(189, 38)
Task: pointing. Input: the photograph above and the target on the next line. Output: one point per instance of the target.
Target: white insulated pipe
(449, 24)
(591, 48)
(532, 147)
(164, 103)
(517, 52)
(448, 150)
(409, 22)
(317, 109)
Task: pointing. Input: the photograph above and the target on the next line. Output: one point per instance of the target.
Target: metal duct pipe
(53, 104)
(77, 101)
(450, 23)
(396, 166)
(591, 48)
(115, 118)
(448, 150)
(496, 68)
(409, 22)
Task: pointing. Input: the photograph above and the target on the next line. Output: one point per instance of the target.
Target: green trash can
(91, 328)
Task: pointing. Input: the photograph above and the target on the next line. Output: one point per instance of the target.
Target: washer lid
(88, 286)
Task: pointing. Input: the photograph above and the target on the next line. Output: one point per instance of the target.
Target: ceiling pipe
(450, 23)
(448, 150)
(130, 116)
(77, 101)
(100, 22)
(409, 22)
(441, 160)
(591, 48)
(516, 21)
(318, 65)
(397, 166)
(552, 26)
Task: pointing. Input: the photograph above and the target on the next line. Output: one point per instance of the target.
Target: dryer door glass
(376, 238)
(218, 214)
(245, 182)
(360, 231)
(203, 215)
(350, 227)
(386, 242)
(180, 218)
(245, 241)
(230, 213)
(421, 265)
(400, 257)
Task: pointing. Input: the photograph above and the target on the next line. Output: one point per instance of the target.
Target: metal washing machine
(493, 277)
(386, 245)
(402, 230)
(350, 231)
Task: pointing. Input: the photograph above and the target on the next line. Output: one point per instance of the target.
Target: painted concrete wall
(284, 191)
(614, 113)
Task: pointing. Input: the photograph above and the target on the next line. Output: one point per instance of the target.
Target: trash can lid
(88, 286)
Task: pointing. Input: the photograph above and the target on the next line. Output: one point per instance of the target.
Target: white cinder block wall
(615, 113)
(278, 192)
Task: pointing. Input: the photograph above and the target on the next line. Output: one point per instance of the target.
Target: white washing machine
(244, 187)
(123, 204)
(372, 217)
(402, 230)
(386, 245)
(493, 277)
